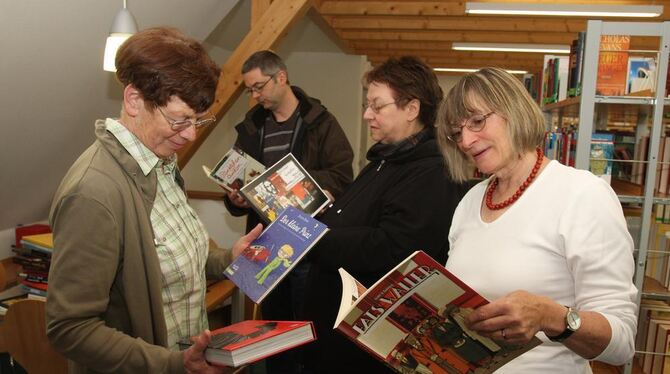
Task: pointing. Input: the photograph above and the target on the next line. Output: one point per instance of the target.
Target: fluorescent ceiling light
(463, 70)
(512, 47)
(565, 10)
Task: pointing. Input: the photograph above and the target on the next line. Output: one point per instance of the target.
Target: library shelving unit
(585, 108)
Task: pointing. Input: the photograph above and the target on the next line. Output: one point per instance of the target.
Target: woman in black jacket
(401, 202)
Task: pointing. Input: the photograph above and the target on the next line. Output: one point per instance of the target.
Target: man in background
(286, 120)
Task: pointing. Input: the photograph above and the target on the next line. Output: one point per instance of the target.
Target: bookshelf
(591, 112)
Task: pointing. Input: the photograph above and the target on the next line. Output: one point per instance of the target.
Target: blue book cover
(275, 252)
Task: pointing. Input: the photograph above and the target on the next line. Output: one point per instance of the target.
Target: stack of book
(34, 256)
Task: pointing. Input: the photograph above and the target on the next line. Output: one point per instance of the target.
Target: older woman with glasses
(127, 278)
(546, 243)
(402, 201)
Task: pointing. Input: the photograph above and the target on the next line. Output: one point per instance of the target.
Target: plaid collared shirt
(181, 242)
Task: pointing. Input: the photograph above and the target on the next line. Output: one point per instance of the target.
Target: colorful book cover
(612, 65)
(249, 341)
(284, 184)
(274, 253)
(602, 154)
(413, 319)
(641, 75)
(234, 170)
(43, 240)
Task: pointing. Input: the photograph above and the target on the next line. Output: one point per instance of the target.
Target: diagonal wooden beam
(265, 34)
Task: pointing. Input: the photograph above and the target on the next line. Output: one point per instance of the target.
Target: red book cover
(613, 65)
(249, 341)
(414, 317)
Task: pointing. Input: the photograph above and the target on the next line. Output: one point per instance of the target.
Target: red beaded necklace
(519, 191)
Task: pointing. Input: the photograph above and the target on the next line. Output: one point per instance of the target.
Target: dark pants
(286, 303)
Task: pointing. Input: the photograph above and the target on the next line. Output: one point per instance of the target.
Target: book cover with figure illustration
(413, 320)
(274, 253)
(286, 183)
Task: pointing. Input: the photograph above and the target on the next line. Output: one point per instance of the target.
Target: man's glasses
(181, 125)
(258, 87)
(475, 123)
(375, 108)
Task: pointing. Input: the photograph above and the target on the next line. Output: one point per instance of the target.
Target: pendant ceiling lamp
(123, 27)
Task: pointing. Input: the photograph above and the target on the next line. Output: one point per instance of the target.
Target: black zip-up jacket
(396, 206)
(319, 145)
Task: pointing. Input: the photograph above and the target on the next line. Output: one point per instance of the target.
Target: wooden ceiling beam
(378, 23)
(455, 54)
(406, 8)
(264, 34)
(462, 36)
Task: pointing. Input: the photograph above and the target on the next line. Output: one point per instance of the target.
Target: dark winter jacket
(319, 144)
(397, 205)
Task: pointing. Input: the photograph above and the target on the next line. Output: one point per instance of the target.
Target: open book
(413, 320)
(286, 183)
(274, 253)
(234, 170)
(249, 341)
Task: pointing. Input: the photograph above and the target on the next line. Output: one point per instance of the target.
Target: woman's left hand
(514, 318)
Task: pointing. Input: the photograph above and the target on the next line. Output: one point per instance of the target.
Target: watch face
(573, 320)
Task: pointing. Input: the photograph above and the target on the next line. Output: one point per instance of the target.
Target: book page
(351, 292)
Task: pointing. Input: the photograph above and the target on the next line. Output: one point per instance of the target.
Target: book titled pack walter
(413, 320)
(234, 170)
(249, 341)
(274, 253)
(286, 183)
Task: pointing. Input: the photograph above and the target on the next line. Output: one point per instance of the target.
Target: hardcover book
(234, 170)
(602, 154)
(413, 320)
(249, 341)
(274, 253)
(612, 65)
(286, 183)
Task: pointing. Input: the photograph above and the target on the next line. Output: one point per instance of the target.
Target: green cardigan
(104, 306)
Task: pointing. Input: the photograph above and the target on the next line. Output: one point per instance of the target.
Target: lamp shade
(123, 27)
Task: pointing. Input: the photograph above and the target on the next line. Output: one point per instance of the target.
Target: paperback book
(249, 341)
(274, 253)
(286, 183)
(612, 65)
(413, 320)
(234, 170)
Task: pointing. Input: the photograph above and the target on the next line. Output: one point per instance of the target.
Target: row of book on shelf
(653, 337)
(418, 305)
(620, 72)
(613, 155)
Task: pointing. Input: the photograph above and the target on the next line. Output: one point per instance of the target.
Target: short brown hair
(409, 78)
(161, 62)
(500, 92)
(267, 61)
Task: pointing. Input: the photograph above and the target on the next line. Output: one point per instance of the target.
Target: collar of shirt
(143, 155)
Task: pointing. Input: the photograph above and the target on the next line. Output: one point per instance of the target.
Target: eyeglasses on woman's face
(475, 123)
(181, 125)
(374, 107)
(258, 87)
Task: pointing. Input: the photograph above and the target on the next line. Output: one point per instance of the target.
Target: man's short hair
(267, 61)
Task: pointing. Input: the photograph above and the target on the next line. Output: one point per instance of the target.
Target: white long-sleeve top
(565, 238)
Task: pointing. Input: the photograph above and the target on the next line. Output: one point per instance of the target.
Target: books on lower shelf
(274, 253)
(601, 156)
(249, 341)
(286, 183)
(414, 317)
(234, 170)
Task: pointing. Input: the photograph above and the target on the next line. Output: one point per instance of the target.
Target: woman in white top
(546, 243)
